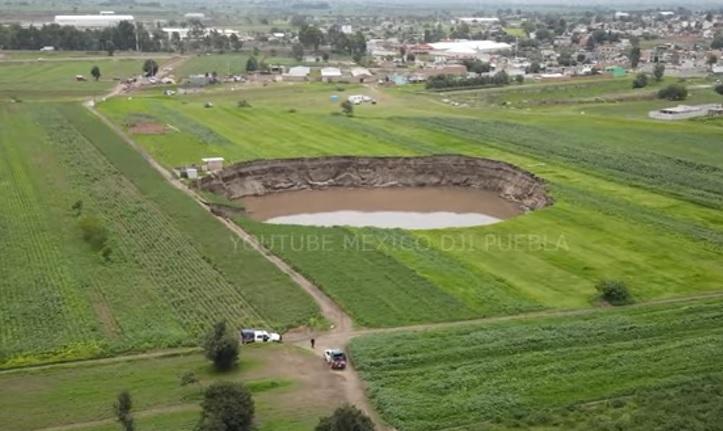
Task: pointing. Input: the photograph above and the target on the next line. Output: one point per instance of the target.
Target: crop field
(652, 367)
(636, 200)
(39, 398)
(162, 272)
(55, 78)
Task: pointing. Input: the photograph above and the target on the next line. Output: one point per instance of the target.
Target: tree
(535, 68)
(236, 43)
(297, 51)
(717, 41)
(712, 59)
(227, 406)
(614, 292)
(347, 108)
(641, 80)
(635, 57)
(221, 346)
(674, 92)
(311, 36)
(346, 418)
(150, 67)
(95, 72)
(122, 409)
(659, 71)
(519, 79)
(719, 89)
(252, 64)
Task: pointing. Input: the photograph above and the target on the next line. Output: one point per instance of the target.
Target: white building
(479, 20)
(329, 74)
(92, 21)
(467, 49)
(194, 15)
(297, 73)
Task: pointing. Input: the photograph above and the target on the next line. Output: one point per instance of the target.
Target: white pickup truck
(259, 336)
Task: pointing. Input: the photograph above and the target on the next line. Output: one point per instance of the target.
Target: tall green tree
(346, 418)
(221, 346)
(95, 72)
(635, 57)
(252, 65)
(311, 36)
(659, 71)
(122, 407)
(150, 67)
(297, 51)
(227, 406)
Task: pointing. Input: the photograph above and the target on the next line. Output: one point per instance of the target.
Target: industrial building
(92, 21)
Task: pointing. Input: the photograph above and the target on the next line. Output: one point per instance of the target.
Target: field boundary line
(176, 408)
(166, 353)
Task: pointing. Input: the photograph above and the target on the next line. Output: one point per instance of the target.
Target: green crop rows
(171, 270)
(557, 372)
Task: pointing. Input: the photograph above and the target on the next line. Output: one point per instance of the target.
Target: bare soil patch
(148, 129)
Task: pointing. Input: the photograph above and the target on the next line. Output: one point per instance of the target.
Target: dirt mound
(148, 129)
(262, 177)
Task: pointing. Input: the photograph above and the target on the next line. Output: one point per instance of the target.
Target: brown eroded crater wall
(256, 178)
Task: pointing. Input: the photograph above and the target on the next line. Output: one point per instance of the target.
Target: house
(212, 164)
(360, 74)
(330, 74)
(297, 74)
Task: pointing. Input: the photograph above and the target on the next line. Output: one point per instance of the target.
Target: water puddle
(406, 208)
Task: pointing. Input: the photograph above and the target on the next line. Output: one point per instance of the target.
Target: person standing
(313, 343)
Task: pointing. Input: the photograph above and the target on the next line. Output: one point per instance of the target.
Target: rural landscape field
(142, 290)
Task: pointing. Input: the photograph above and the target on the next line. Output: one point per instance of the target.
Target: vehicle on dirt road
(259, 336)
(335, 358)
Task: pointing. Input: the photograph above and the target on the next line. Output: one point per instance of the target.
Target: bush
(719, 89)
(188, 378)
(94, 233)
(221, 346)
(227, 406)
(659, 71)
(614, 292)
(347, 108)
(122, 408)
(346, 418)
(674, 92)
(641, 80)
(243, 104)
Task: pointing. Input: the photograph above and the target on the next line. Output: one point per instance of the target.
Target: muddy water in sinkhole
(390, 207)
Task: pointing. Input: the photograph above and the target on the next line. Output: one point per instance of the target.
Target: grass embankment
(164, 272)
(632, 201)
(636, 368)
(84, 393)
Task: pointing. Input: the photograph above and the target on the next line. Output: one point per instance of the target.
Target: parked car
(259, 336)
(335, 358)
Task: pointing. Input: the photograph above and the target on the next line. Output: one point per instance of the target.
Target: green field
(170, 269)
(39, 398)
(654, 367)
(55, 78)
(636, 200)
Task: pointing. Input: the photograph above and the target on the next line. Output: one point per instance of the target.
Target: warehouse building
(92, 21)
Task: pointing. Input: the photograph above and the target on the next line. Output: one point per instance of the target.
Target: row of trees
(499, 79)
